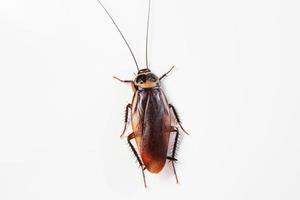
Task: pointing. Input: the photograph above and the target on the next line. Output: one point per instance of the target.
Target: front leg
(127, 81)
(123, 81)
(164, 75)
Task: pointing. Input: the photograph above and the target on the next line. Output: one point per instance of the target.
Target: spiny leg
(130, 137)
(126, 119)
(177, 117)
(172, 157)
(164, 75)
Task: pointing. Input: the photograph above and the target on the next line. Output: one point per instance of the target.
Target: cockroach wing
(151, 123)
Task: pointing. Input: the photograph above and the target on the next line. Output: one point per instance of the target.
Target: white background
(236, 86)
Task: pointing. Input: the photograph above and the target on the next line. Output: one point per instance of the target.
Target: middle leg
(126, 118)
(177, 117)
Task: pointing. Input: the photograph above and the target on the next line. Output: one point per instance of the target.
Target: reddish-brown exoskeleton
(152, 124)
(152, 117)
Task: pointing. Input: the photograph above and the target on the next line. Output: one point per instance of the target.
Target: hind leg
(172, 157)
(130, 137)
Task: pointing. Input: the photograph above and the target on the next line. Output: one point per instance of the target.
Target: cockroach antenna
(127, 44)
(147, 34)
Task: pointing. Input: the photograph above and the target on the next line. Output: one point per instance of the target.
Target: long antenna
(147, 36)
(120, 33)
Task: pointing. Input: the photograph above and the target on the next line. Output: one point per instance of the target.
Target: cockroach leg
(123, 81)
(177, 117)
(127, 81)
(130, 137)
(173, 165)
(164, 75)
(172, 158)
(126, 119)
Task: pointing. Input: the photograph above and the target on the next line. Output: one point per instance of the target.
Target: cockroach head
(146, 79)
(143, 71)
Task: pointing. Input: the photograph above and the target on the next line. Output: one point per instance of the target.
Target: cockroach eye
(153, 79)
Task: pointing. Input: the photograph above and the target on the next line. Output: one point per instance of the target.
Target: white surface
(236, 87)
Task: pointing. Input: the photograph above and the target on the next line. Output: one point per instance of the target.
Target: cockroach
(153, 119)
